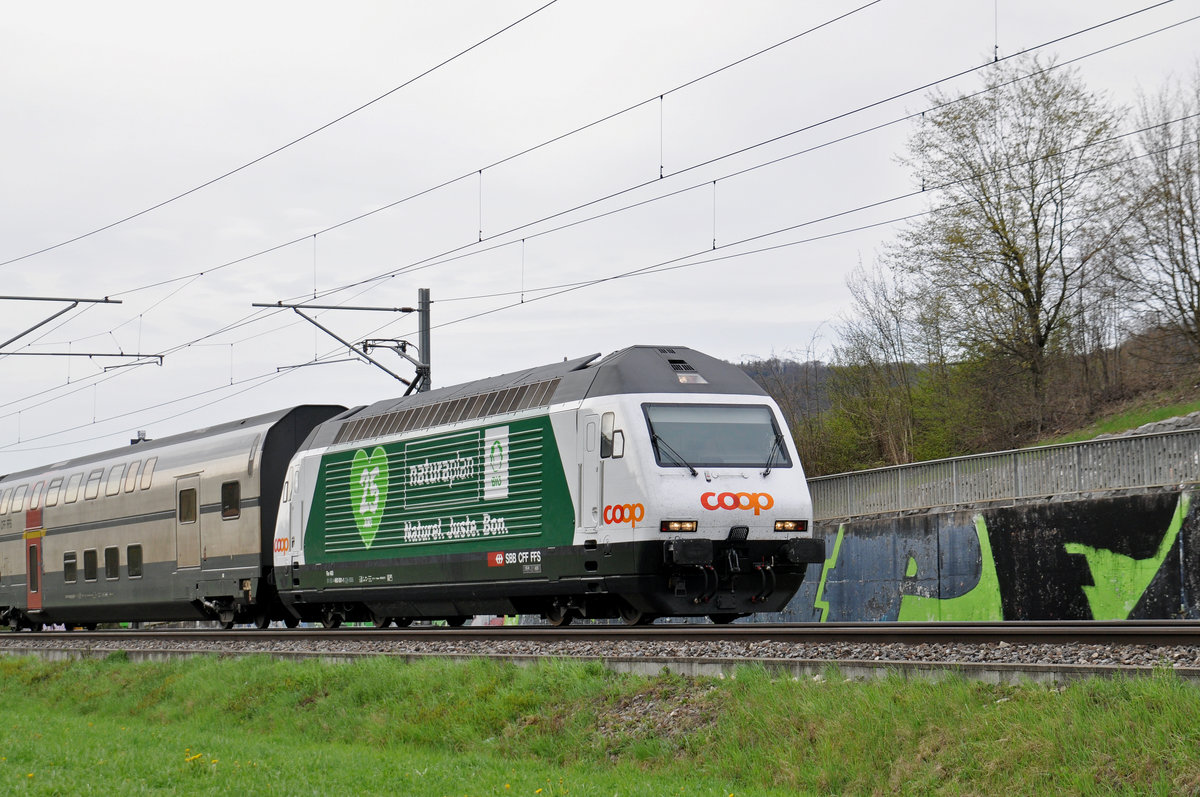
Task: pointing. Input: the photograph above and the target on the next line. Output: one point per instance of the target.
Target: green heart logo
(368, 491)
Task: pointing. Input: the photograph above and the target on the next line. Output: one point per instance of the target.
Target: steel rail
(1148, 633)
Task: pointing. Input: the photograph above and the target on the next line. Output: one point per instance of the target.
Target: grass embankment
(260, 726)
(1137, 415)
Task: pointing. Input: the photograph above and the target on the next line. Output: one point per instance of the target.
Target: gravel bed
(1055, 655)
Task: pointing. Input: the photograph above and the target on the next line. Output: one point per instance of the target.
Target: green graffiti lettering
(982, 603)
(830, 563)
(1119, 580)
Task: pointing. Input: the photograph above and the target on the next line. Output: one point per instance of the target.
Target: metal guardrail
(1119, 463)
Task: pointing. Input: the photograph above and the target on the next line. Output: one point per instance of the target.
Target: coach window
(133, 560)
(131, 479)
(89, 565)
(148, 472)
(92, 488)
(35, 498)
(112, 563)
(18, 501)
(187, 505)
(116, 475)
(71, 494)
(70, 568)
(231, 500)
(52, 492)
(4, 496)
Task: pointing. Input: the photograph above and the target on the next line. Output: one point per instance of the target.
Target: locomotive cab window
(715, 436)
(70, 568)
(133, 560)
(188, 507)
(112, 563)
(89, 565)
(231, 500)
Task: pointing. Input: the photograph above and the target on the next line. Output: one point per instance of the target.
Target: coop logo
(624, 513)
(281, 545)
(755, 501)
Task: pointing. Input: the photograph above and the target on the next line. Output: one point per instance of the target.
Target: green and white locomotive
(657, 481)
(653, 482)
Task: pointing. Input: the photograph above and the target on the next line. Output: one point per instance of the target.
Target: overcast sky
(112, 108)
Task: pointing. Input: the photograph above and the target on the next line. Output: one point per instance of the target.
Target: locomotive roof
(637, 369)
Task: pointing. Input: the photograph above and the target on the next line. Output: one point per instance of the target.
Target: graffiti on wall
(1111, 558)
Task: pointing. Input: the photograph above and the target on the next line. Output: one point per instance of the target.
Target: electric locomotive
(656, 481)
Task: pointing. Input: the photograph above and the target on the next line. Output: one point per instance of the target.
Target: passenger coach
(170, 529)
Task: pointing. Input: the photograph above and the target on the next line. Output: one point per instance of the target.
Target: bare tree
(1166, 270)
(1024, 186)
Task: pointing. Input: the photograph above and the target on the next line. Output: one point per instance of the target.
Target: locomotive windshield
(715, 435)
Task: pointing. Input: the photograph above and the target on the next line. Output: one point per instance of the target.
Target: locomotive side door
(589, 472)
(187, 521)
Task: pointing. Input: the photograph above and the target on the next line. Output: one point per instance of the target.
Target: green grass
(255, 725)
(1124, 421)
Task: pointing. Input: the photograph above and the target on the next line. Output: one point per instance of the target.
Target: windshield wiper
(658, 441)
(777, 445)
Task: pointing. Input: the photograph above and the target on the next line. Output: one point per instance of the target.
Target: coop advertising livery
(460, 487)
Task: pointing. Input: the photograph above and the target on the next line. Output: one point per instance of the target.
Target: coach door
(187, 521)
(33, 560)
(589, 472)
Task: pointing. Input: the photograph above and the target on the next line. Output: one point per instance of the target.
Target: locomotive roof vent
(686, 374)
(666, 351)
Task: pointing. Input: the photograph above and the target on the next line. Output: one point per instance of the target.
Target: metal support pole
(423, 316)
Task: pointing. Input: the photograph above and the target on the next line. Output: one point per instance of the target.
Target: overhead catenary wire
(238, 323)
(279, 149)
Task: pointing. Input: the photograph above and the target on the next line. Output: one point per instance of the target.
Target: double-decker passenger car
(170, 529)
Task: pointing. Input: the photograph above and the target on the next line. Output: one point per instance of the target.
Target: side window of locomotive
(116, 475)
(112, 563)
(92, 488)
(131, 478)
(71, 494)
(89, 565)
(52, 492)
(187, 505)
(612, 440)
(70, 568)
(148, 472)
(231, 500)
(133, 560)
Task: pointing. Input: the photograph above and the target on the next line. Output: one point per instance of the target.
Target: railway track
(994, 652)
(1146, 633)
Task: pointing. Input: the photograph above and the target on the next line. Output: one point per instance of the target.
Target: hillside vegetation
(1052, 282)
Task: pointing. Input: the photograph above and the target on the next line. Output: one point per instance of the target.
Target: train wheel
(457, 622)
(226, 625)
(559, 616)
(632, 616)
(262, 621)
(403, 622)
(723, 619)
(331, 620)
(37, 628)
(381, 621)
(291, 622)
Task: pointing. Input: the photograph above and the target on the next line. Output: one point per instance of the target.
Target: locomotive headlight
(668, 526)
(791, 525)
